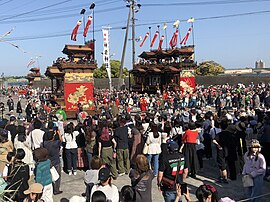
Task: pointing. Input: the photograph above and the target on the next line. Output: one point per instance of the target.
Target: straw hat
(34, 188)
(254, 144)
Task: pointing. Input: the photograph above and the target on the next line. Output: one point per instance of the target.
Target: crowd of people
(165, 137)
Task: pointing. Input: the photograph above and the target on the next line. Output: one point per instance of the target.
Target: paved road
(73, 185)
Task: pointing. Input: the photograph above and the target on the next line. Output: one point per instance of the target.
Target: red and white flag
(89, 21)
(160, 42)
(145, 37)
(75, 31)
(174, 39)
(154, 39)
(30, 63)
(184, 41)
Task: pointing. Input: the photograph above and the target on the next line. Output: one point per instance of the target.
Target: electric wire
(35, 10)
(204, 3)
(53, 35)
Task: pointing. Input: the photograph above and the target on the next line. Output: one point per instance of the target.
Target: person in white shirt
(106, 186)
(154, 143)
(71, 148)
(36, 135)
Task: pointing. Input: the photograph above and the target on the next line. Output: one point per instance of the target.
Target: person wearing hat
(105, 185)
(34, 193)
(255, 166)
(169, 164)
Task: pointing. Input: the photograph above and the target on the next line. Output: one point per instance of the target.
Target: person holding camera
(171, 167)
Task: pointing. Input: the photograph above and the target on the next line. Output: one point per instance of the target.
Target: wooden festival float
(160, 70)
(72, 79)
(34, 75)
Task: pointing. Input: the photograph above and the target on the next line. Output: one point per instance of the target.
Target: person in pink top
(255, 166)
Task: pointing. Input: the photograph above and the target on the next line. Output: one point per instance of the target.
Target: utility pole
(131, 4)
(124, 51)
(133, 32)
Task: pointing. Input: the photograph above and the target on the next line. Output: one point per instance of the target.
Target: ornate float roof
(78, 50)
(162, 54)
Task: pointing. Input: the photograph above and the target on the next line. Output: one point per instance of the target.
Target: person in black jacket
(19, 108)
(10, 103)
(18, 178)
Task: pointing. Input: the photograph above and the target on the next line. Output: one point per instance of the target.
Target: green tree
(209, 68)
(115, 70)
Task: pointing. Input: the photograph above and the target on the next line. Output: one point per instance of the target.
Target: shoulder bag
(54, 173)
(145, 148)
(247, 181)
(168, 182)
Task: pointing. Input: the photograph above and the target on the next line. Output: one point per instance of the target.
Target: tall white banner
(106, 53)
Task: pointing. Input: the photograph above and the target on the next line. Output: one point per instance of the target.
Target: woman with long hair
(107, 148)
(137, 145)
(90, 139)
(80, 140)
(71, 148)
(141, 179)
(255, 166)
(23, 141)
(154, 143)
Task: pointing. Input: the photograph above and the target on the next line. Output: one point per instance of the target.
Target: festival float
(34, 75)
(72, 80)
(166, 69)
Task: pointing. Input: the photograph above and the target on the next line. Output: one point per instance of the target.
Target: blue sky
(234, 42)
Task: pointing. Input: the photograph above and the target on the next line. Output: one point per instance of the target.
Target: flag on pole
(191, 20)
(154, 39)
(160, 42)
(176, 24)
(90, 18)
(184, 41)
(31, 63)
(173, 41)
(164, 26)
(75, 31)
(145, 37)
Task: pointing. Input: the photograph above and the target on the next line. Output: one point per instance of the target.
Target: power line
(42, 8)
(6, 2)
(204, 3)
(64, 9)
(139, 25)
(58, 16)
